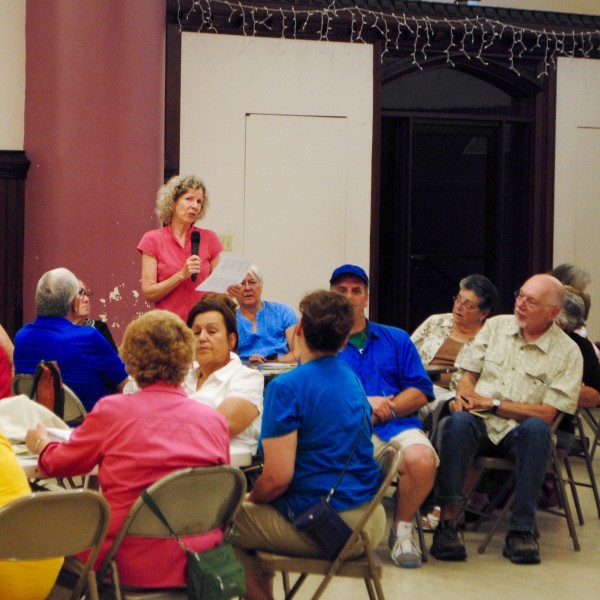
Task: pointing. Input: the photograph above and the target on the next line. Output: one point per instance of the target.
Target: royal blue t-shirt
(323, 401)
(88, 364)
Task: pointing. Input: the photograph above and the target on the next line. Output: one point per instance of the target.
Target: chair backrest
(193, 500)
(50, 524)
(74, 410)
(21, 384)
(73, 413)
(389, 461)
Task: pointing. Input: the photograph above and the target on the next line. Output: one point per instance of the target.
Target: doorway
(453, 202)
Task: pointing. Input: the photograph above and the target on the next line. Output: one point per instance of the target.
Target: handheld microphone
(195, 246)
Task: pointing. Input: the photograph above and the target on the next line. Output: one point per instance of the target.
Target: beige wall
(12, 74)
(583, 7)
(282, 132)
(577, 183)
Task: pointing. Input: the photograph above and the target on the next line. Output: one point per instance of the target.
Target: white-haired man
(88, 364)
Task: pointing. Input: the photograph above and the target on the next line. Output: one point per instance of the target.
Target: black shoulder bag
(321, 522)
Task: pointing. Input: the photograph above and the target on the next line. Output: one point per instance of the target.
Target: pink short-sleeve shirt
(162, 245)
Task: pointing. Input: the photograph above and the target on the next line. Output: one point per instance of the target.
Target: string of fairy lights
(471, 37)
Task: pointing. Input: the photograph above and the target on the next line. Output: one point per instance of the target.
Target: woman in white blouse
(218, 377)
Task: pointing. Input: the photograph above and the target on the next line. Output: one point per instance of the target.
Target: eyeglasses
(251, 282)
(531, 303)
(466, 303)
(86, 293)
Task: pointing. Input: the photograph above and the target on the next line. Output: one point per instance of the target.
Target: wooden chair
(194, 501)
(50, 524)
(367, 567)
(506, 493)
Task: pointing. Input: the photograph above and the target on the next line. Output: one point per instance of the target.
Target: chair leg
(588, 463)
(567, 504)
(421, 534)
(370, 590)
(296, 586)
(285, 577)
(573, 485)
(495, 525)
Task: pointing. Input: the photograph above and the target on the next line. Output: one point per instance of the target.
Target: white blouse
(234, 380)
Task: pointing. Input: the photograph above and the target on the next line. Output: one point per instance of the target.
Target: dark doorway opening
(454, 201)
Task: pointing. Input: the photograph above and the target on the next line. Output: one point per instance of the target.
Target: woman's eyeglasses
(467, 305)
(86, 293)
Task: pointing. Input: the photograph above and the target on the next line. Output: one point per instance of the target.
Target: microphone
(195, 246)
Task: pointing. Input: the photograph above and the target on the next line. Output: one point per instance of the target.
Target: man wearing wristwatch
(387, 363)
(519, 372)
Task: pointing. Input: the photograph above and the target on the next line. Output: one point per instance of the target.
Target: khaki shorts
(406, 438)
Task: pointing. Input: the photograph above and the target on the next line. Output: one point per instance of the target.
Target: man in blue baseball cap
(397, 386)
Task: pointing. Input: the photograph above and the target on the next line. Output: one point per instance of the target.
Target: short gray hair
(483, 288)
(572, 275)
(572, 313)
(55, 293)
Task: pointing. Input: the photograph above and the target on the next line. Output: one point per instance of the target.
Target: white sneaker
(404, 551)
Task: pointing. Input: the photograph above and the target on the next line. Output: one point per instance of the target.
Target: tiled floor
(562, 574)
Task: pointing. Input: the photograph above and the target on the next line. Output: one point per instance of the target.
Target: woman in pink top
(138, 438)
(168, 264)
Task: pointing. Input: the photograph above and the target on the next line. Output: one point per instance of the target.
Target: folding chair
(193, 501)
(50, 524)
(505, 495)
(580, 450)
(74, 411)
(594, 424)
(367, 567)
(21, 384)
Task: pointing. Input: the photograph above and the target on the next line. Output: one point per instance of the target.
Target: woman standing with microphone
(176, 258)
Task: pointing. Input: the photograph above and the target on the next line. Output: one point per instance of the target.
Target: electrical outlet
(227, 241)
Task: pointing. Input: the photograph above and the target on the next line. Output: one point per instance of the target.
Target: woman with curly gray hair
(170, 270)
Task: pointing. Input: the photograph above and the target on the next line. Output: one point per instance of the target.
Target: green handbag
(215, 574)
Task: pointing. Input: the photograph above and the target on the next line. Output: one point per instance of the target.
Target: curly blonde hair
(158, 346)
(169, 193)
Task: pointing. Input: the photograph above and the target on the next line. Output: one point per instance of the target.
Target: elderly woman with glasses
(80, 314)
(266, 329)
(440, 338)
(178, 257)
(136, 439)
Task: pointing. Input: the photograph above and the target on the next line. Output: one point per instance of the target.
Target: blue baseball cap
(349, 270)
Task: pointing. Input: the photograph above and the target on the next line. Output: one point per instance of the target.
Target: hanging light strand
(471, 37)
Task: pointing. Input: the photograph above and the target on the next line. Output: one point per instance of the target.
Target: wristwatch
(496, 406)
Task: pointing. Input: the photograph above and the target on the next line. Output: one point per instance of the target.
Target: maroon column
(94, 114)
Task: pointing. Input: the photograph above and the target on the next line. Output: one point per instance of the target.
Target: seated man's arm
(589, 397)
(407, 402)
(468, 399)
(278, 472)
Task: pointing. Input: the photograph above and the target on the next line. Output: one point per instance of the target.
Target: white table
(240, 457)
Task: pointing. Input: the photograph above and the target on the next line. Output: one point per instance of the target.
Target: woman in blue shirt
(312, 417)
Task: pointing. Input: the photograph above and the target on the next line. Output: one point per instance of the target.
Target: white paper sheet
(230, 271)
